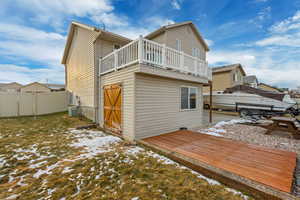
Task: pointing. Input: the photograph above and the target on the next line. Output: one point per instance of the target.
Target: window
(188, 98)
(178, 44)
(235, 77)
(196, 52)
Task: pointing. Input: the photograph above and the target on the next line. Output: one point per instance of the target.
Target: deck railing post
(140, 49)
(195, 67)
(181, 61)
(163, 57)
(116, 60)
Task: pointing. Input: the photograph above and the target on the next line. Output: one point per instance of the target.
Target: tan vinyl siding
(80, 68)
(221, 81)
(188, 40)
(158, 106)
(187, 37)
(160, 38)
(125, 77)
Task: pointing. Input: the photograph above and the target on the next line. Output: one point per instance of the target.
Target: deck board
(271, 167)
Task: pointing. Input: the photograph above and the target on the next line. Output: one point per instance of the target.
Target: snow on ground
(137, 150)
(93, 142)
(97, 142)
(231, 122)
(217, 130)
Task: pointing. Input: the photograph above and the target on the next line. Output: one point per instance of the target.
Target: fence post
(19, 100)
(140, 49)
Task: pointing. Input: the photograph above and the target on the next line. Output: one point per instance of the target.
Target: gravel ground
(255, 135)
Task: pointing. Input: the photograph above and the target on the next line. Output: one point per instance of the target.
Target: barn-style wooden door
(113, 108)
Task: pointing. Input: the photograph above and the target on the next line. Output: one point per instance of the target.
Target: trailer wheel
(244, 113)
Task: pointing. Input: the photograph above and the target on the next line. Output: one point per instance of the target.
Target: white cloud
(272, 66)
(175, 4)
(230, 57)
(284, 33)
(24, 75)
(158, 21)
(55, 12)
(291, 23)
(25, 44)
(262, 16)
(133, 32)
(286, 40)
(22, 42)
(209, 42)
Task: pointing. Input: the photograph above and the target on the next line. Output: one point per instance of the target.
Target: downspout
(96, 92)
(96, 80)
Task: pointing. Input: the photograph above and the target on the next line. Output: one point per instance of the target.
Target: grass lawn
(45, 158)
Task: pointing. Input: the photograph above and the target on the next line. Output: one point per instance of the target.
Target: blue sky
(262, 35)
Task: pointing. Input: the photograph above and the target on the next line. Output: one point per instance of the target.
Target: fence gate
(113, 108)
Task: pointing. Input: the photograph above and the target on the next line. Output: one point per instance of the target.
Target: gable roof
(12, 83)
(275, 88)
(166, 27)
(226, 68)
(43, 85)
(100, 32)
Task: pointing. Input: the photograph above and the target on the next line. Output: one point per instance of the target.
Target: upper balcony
(145, 51)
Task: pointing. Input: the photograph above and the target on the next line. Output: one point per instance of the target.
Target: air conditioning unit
(73, 111)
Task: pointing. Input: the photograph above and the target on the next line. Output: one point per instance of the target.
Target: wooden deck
(268, 166)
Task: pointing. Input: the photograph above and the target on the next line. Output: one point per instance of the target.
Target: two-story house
(138, 88)
(227, 76)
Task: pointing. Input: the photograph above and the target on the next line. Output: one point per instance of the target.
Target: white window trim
(189, 87)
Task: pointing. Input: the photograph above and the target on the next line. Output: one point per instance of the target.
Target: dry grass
(37, 160)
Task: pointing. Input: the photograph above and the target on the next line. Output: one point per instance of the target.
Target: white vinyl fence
(30, 104)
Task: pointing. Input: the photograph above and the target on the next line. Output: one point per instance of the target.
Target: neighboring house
(267, 87)
(251, 81)
(138, 88)
(226, 76)
(55, 87)
(10, 87)
(35, 87)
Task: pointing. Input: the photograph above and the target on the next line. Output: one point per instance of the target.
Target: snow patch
(231, 122)
(217, 131)
(237, 193)
(135, 198)
(94, 142)
(45, 171)
(134, 150)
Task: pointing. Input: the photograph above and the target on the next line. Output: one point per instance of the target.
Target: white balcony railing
(147, 51)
